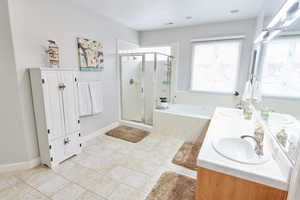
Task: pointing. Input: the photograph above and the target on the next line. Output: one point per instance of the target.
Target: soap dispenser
(282, 137)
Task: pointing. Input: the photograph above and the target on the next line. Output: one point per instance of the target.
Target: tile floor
(107, 169)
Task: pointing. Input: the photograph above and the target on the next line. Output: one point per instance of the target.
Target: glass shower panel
(132, 88)
(145, 78)
(163, 77)
(149, 87)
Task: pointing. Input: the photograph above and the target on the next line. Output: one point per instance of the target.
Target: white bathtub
(182, 121)
(202, 111)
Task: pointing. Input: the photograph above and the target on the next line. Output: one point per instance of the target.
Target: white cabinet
(55, 98)
(70, 102)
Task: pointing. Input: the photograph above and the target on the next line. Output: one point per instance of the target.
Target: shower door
(145, 78)
(132, 88)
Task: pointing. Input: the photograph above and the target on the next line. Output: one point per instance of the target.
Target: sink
(239, 150)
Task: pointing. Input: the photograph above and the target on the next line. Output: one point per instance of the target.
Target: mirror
(277, 76)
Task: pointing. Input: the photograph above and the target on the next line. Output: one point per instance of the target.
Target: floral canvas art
(90, 55)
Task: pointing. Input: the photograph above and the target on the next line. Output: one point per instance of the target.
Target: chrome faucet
(259, 149)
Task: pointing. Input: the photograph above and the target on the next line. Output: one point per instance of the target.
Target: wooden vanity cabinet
(212, 185)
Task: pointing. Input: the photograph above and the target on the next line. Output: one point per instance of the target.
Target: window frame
(194, 43)
(261, 68)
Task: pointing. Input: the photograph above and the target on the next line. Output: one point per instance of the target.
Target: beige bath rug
(129, 134)
(173, 186)
(187, 155)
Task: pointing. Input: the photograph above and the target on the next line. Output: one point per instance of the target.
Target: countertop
(228, 122)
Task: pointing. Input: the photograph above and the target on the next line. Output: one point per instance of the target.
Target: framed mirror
(276, 82)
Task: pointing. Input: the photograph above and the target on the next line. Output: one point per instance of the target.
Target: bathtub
(182, 121)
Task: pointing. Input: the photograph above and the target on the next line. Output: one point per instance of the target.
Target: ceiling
(155, 14)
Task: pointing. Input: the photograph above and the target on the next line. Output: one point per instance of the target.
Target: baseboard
(20, 165)
(36, 161)
(100, 131)
(136, 125)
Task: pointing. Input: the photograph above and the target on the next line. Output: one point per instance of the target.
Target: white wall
(183, 36)
(12, 145)
(33, 23)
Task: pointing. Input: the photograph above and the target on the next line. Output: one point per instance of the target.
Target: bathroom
(150, 100)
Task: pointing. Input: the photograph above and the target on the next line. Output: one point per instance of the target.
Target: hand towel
(85, 104)
(96, 90)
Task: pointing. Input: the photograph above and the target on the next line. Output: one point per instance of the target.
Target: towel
(85, 104)
(96, 96)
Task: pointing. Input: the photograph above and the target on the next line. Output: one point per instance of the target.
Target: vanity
(230, 169)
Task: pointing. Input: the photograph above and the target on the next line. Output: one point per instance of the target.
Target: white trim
(99, 132)
(234, 37)
(273, 96)
(136, 125)
(20, 165)
(219, 39)
(211, 92)
(55, 69)
(105, 129)
(295, 181)
(292, 33)
(192, 54)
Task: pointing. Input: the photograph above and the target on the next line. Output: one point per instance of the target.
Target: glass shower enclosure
(145, 78)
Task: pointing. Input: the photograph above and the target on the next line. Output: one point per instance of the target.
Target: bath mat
(173, 186)
(129, 134)
(187, 155)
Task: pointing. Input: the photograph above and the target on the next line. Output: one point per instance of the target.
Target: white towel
(85, 104)
(97, 97)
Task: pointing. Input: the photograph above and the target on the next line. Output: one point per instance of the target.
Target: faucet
(259, 149)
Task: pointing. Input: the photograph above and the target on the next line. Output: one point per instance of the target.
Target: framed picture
(90, 53)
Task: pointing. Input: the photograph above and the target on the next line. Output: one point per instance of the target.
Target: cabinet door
(53, 104)
(57, 151)
(73, 145)
(70, 101)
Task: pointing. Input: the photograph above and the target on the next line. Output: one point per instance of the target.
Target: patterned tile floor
(107, 169)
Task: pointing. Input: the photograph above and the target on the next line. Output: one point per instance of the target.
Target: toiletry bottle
(247, 111)
(259, 133)
(292, 146)
(282, 137)
(265, 113)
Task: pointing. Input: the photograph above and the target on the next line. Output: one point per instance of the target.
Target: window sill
(211, 92)
(281, 97)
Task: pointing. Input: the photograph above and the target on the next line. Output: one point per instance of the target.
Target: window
(215, 65)
(281, 68)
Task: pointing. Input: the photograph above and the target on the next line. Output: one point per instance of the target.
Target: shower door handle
(236, 93)
(131, 81)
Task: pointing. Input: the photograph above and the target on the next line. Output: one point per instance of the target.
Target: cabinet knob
(67, 141)
(62, 86)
